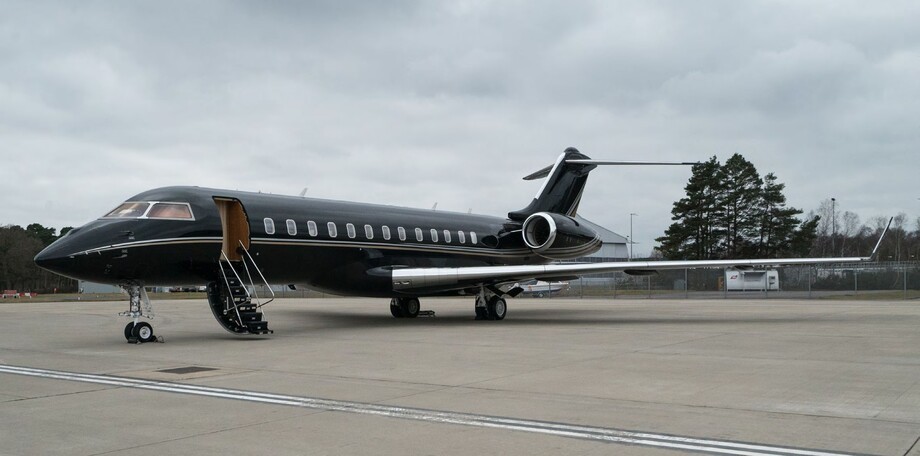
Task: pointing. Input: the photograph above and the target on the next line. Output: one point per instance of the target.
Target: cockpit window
(152, 210)
(170, 211)
(129, 210)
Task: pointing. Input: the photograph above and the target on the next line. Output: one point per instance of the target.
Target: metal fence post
(855, 281)
(905, 280)
(686, 284)
(809, 282)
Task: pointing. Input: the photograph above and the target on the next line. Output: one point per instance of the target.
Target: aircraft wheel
(143, 332)
(128, 331)
(396, 308)
(410, 307)
(498, 308)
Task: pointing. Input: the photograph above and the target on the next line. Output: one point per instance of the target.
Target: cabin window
(291, 227)
(174, 211)
(386, 232)
(311, 227)
(473, 237)
(369, 231)
(128, 210)
(434, 235)
(402, 233)
(332, 231)
(269, 226)
(461, 237)
(351, 230)
(447, 236)
(418, 235)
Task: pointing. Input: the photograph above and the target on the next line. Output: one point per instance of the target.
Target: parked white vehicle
(540, 288)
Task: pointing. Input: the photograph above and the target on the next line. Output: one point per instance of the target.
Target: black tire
(396, 308)
(129, 331)
(498, 308)
(410, 307)
(143, 332)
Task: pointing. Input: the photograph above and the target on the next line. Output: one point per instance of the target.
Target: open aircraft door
(235, 225)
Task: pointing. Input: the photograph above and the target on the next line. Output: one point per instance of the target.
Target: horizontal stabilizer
(545, 171)
(539, 174)
(628, 163)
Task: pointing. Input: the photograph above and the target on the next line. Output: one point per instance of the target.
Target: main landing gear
(489, 306)
(404, 307)
(138, 306)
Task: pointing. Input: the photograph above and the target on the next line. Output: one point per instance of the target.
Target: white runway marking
(541, 427)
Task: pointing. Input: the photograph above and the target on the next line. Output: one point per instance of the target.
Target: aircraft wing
(409, 279)
(426, 279)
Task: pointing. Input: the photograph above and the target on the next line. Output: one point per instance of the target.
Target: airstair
(234, 299)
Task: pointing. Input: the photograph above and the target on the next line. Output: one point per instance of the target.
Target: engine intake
(557, 236)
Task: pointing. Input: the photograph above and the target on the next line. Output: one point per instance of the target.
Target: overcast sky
(412, 103)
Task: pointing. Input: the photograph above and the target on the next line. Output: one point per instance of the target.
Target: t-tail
(565, 183)
(548, 223)
(562, 189)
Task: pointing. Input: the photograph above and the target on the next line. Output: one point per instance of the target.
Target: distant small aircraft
(230, 240)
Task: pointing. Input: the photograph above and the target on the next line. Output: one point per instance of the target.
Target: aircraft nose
(53, 258)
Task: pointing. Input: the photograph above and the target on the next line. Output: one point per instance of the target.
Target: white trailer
(738, 280)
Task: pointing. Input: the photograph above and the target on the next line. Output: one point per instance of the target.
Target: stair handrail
(264, 280)
(236, 307)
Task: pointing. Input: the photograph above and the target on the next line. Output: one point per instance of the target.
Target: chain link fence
(892, 280)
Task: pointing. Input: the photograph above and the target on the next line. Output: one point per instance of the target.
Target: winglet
(877, 244)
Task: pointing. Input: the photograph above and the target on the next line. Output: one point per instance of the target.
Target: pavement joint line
(608, 435)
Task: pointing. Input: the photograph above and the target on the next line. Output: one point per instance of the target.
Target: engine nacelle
(559, 237)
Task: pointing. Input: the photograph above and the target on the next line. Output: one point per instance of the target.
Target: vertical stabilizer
(562, 189)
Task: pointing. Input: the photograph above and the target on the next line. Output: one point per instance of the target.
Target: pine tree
(694, 234)
(778, 222)
(741, 201)
(730, 212)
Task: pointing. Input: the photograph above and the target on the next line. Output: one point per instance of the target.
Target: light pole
(833, 227)
(631, 240)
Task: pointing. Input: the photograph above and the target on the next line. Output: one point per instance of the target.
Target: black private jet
(230, 241)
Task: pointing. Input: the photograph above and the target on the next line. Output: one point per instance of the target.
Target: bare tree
(849, 230)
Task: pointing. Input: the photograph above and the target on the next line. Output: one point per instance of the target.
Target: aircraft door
(235, 225)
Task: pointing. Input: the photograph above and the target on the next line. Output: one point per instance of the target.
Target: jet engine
(558, 236)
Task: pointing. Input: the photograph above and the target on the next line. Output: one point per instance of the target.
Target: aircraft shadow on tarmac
(312, 320)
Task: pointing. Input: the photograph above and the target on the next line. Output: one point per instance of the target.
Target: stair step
(257, 326)
(248, 317)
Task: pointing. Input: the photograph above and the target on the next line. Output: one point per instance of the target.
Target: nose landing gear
(138, 306)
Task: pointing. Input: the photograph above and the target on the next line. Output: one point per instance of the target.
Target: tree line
(844, 233)
(18, 247)
(730, 211)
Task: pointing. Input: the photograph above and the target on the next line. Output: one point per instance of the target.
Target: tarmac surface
(558, 376)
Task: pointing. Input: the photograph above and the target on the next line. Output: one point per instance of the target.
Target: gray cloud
(415, 102)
